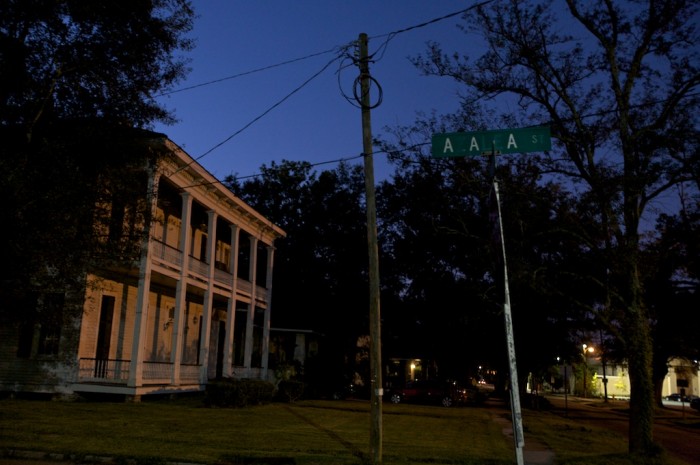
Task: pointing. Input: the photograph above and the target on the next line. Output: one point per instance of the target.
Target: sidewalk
(534, 452)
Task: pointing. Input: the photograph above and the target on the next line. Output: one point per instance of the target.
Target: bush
(230, 392)
(536, 402)
(290, 390)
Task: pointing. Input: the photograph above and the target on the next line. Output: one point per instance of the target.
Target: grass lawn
(301, 433)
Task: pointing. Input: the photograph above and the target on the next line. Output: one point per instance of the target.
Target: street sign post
(519, 140)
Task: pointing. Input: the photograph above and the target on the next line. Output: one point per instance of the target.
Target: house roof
(185, 172)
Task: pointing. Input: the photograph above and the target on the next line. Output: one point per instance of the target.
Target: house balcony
(170, 259)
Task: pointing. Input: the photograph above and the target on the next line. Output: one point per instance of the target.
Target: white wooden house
(196, 306)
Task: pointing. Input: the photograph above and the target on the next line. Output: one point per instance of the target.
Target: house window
(223, 256)
(51, 322)
(26, 336)
(40, 332)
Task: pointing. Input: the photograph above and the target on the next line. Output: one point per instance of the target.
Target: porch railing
(116, 371)
(159, 372)
(111, 370)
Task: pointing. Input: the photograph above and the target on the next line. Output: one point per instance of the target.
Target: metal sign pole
(516, 412)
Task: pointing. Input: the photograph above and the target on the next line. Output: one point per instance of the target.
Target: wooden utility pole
(374, 315)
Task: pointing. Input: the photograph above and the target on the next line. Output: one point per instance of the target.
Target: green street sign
(519, 140)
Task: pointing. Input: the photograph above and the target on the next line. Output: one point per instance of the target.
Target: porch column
(248, 354)
(268, 309)
(143, 294)
(181, 288)
(208, 298)
(231, 308)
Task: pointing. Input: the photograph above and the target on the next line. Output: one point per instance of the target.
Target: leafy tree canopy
(75, 78)
(97, 59)
(320, 274)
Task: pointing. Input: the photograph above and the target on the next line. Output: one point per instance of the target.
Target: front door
(104, 336)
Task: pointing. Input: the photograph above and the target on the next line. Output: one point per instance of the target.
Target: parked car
(695, 403)
(438, 392)
(679, 398)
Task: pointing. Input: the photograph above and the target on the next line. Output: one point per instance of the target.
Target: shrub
(290, 390)
(230, 392)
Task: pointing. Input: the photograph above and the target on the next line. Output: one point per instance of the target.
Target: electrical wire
(246, 73)
(381, 50)
(320, 163)
(390, 35)
(279, 102)
(359, 96)
(263, 114)
(340, 51)
(342, 55)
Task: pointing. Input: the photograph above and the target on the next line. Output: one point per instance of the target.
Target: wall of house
(682, 378)
(122, 328)
(159, 322)
(34, 368)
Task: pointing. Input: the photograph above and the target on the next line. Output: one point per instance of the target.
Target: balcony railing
(167, 253)
(199, 267)
(222, 277)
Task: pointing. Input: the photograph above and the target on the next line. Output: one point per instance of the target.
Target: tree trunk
(639, 350)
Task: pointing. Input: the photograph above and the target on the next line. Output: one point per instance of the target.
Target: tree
(440, 259)
(99, 59)
(320, 270)
(77, 85)
(618, 89)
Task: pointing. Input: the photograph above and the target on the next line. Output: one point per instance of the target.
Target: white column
(268, 309)
(208, 298)
(181, 288)
(143, 294)
(231, 309)
(248, 355)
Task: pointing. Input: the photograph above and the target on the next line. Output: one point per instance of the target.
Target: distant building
(682, 378)
(196, 306)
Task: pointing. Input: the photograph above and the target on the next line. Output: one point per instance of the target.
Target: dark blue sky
(316, 123)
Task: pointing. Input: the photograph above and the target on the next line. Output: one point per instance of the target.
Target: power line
(340, 52)
(245, 73)
(320, 163)
(279, 102)
(257, 118)
(433, 21)
(336, 49)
